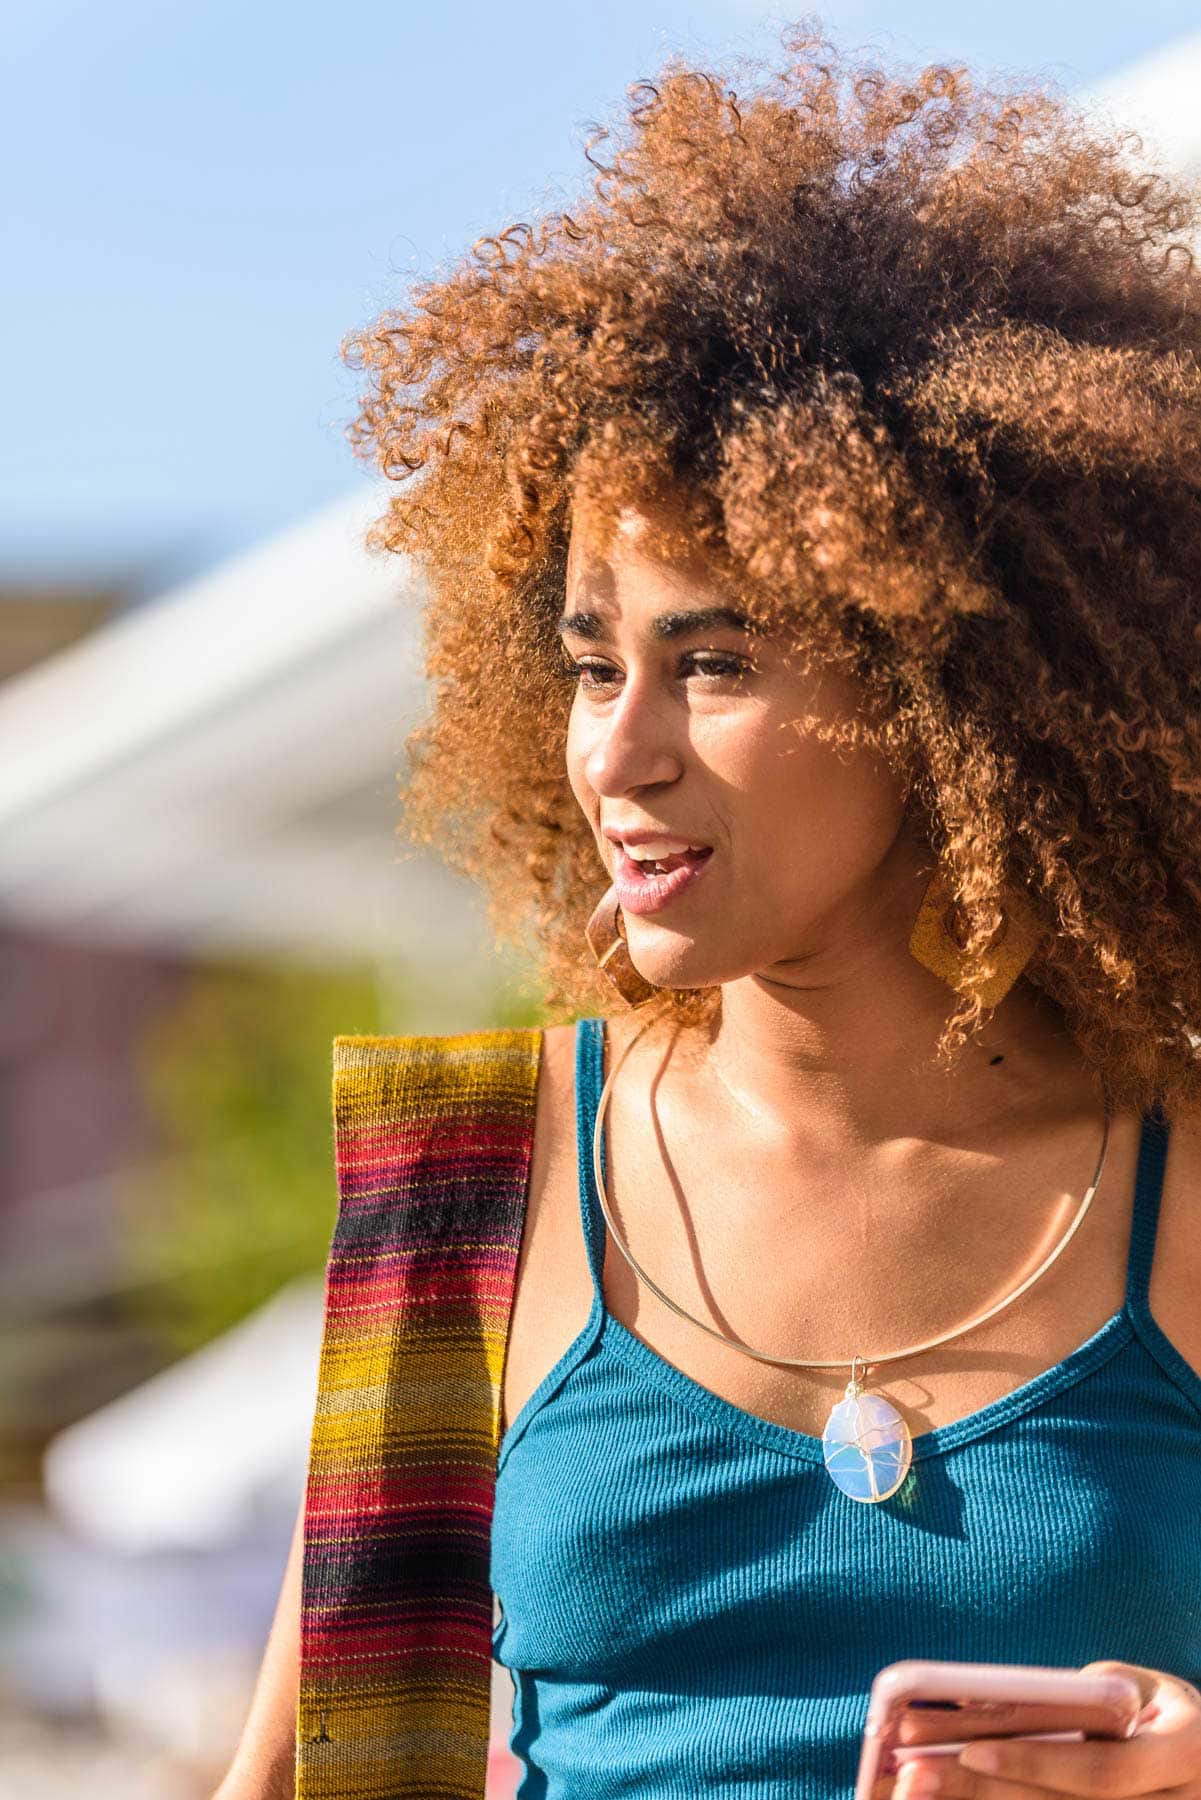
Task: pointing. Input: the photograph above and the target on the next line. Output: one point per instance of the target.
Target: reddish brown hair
(920, 357)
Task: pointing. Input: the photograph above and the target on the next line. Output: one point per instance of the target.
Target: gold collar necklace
(866, 1445)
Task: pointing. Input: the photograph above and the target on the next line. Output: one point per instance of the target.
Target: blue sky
(203, 200)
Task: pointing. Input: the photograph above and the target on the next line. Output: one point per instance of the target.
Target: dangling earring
(605, 932)
(939, 935)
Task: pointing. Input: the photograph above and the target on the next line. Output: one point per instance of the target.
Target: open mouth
(645, 887)
(665, 864)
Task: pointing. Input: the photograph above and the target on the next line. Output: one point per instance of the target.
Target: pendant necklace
(866, 1445)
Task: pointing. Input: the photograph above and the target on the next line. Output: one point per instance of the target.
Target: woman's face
(681, 727)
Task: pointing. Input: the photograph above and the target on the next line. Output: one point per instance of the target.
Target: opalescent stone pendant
(866, 1445)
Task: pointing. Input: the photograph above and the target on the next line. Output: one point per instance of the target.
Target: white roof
(216, 769)
(206, 1453)
(1158, 97)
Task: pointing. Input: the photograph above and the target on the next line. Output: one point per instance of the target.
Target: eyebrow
(663, 627)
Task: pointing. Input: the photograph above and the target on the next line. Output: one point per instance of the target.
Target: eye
(719, 665)
(589, 672)
(593, 674)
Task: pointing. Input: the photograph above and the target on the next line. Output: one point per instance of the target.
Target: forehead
(643, 572)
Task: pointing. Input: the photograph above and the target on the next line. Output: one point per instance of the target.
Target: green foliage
(242, 1198)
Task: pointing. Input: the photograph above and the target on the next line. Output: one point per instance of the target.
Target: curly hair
(919, 356)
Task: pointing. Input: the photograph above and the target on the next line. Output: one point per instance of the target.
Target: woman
(814, 513)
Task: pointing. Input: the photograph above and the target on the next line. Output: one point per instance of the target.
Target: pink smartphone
(937, 1708)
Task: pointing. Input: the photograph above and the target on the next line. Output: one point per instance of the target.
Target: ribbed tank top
(690, 1607)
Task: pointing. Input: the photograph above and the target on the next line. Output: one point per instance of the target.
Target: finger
(943, 1776)
(1167, 1698)
(1163, 1758)
(1098, 1768)
(1147, 1680)
(949, 1780)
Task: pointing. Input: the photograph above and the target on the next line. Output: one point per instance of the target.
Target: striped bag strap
(433, 1146)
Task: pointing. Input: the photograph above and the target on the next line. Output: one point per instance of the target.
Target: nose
(634, 745)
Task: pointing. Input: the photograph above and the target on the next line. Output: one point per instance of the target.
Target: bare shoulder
(554, 1293)
(554, 1123)
(1175, 1293)
(556, 1086)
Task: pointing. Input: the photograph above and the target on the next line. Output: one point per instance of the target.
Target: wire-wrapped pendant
(866, 1445)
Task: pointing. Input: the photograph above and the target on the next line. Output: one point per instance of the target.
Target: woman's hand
(1163, 1760)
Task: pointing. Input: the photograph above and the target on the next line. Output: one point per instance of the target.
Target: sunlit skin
(819, 1075)
(805, 914)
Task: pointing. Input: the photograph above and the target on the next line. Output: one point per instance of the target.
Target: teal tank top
(690, 1607)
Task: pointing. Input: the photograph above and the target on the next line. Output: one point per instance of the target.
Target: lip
(638, 893)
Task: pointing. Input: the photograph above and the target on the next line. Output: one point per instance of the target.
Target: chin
(687, 966)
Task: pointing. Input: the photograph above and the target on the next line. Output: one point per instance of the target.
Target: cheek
(575, 755)
(817, 804)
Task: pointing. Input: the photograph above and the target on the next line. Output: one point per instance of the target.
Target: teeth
(655, 851)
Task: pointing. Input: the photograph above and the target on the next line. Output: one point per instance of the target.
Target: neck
(855, 1060)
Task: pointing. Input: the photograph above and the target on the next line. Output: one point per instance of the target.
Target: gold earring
(939, 934)
(605, 932)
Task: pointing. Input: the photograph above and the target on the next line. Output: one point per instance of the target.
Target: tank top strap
(1148, 1190)
(589, 1079)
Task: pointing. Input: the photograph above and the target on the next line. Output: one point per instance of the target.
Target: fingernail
(981, 1757)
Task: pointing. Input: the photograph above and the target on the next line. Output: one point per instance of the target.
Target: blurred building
(1157, 96)
(204, 777)
(215, 770)
(209, 775)
(39, 618)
